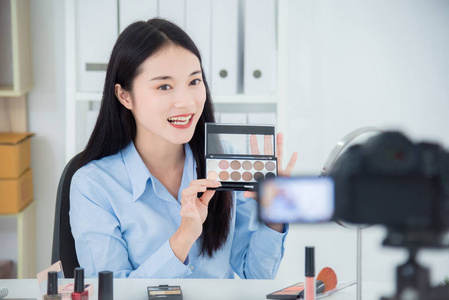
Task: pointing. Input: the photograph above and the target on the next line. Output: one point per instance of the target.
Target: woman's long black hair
(116, 128)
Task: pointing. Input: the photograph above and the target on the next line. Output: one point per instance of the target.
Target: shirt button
(191, 268)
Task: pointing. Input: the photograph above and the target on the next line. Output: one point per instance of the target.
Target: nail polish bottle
(52, 286)
(105, 285)
(79, 293)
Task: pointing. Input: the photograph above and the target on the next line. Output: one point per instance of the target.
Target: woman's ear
(123, 96)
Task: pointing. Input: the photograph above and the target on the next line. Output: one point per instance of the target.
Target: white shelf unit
(18, 238)
(17, 231)
(16, 76)
(77, 101)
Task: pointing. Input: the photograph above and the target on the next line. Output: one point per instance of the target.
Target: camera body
(390, 181)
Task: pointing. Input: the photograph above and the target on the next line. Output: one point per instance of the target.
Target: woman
(134, 204)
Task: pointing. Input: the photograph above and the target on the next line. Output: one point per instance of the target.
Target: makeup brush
(328, 279)
(325, 281)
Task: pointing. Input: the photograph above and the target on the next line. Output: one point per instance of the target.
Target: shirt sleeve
(257, 250)
(99, 242)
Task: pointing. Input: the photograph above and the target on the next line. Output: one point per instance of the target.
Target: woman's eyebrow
(196, 72)
(165, 77)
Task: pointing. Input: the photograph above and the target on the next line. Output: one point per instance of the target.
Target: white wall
(47, 117)
(363, 63)
(352, 63)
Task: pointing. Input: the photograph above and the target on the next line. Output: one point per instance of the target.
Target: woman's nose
(183, 98)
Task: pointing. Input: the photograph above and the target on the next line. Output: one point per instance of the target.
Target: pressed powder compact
(239, 156)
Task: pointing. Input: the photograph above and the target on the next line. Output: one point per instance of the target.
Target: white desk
(198, 289)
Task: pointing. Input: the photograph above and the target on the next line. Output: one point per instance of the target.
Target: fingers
(280, 153)
(267, 145)
(206, 182)
(253, 145)
(249, 194)
(291, 164)
(280, 149)
(197, 186)
(207, 195)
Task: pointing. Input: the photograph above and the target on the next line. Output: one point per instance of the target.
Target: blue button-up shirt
(122, 218)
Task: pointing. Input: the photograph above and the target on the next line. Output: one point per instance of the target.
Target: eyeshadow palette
(233, 158)
(167, 292)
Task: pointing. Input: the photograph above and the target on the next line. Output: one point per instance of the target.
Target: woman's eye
(164, 87)
(195, 82)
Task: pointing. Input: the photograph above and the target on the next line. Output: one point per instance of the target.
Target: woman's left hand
(282, 172)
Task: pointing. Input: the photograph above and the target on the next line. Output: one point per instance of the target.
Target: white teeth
(180, 120)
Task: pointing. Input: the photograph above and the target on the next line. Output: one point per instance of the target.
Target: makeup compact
(164, 291)
(240, 156)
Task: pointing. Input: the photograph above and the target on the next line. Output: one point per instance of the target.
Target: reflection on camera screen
(297, 200)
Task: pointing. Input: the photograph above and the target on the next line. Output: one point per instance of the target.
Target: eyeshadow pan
(247, 176)
(235, 175)
(270, 166)
(212, 164)
(258, 165)
(212, 175)
(223, 164)
(270, 175)
(258, 176)
(235, 165)
(247, 165)
(224, 175)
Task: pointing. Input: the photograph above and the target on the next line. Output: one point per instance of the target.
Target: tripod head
(413, 282)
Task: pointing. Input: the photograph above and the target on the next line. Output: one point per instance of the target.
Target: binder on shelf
(174, 11)
(260, 47)
(198, 27)
(131, 11)
(225, 47)
(96, 33)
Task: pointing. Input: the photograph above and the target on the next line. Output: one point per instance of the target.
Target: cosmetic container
(105, 285)
(310, 288)
(249, 156)
(52, 286)
(79, 293)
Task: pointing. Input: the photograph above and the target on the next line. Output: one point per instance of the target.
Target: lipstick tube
(310, 288)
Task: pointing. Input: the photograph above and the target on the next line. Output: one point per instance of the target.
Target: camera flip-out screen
(297, 200)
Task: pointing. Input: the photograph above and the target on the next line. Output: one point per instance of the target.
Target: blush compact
(240, 155)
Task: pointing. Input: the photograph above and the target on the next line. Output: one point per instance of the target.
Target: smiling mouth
(180, 120)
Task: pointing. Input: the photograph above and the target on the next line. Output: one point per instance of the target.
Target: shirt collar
(139, 173)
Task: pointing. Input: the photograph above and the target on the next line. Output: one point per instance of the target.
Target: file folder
(260, 47)
(198, 27)
(96, 33)
(225, 55)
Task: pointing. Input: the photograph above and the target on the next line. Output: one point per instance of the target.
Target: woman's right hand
(194, 213)
(194, 209)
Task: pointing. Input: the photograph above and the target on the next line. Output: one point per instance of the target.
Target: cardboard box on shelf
(15, 154)
(16, 194)
(5, 269)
